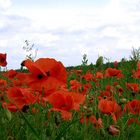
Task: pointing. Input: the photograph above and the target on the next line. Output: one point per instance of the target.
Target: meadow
(47, 101)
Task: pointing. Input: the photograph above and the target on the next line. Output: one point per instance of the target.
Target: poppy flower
(105, 95)
(133, 86)
(61, 103)
(88, 76)
(78, 99)
(52, 68)
(133, 107)
(99, 75)
(136, 74)
(20, 97)
(10, 74)
(11, 107)
(3, 61)
(112, 72)
(3, 85)
(64, 102)
(46, 74)
(75, 85)
(111, 108)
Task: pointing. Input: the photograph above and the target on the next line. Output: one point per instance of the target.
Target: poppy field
(46, 101)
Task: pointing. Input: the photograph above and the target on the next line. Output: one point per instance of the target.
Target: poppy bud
(113, 130)
(8, 114)
(123, 100)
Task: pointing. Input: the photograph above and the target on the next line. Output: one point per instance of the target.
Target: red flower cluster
(46, 82)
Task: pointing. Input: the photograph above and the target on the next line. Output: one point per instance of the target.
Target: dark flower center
(39, 76)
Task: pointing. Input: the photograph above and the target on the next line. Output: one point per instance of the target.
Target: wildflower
(64, 102)
(19, 97)
(111, 108)
(136, 74)
(3, 85)
(133, 107)
(11, 74)
(112, 72)
(46, 75)
(133, 86)
(88, 76)
(99, 75)
(3, 61)
(75, 85)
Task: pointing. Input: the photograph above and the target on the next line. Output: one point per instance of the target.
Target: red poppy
(20, 97)
(64, 101)
(136, 74)
(88, 76)
(61, 103)
(46, 74)
(99, 75)
(52, 68)
(78, 99)
(3, 85)
(133, 107)
(112, 72)
(105, 95)
(21, 79)
(11, 73)
(3, 61)
(111, 108)
(133, 86)
(75, 85)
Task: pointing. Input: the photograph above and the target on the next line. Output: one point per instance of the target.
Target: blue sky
(66, 29)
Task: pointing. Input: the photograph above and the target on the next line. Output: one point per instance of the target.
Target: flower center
(39, 76)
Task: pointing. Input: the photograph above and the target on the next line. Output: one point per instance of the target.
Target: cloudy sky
(67, 29)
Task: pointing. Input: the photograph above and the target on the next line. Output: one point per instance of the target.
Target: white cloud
(4, 4)
(66, 34)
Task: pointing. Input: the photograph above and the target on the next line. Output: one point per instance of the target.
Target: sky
(67, 29)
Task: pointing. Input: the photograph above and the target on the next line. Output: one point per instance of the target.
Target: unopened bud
(113, 130)
(123, 100)
(8, 114)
